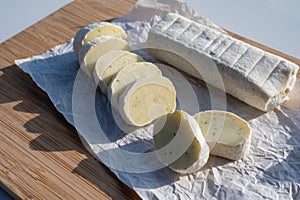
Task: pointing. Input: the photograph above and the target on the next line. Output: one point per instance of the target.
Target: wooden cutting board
(41, 156)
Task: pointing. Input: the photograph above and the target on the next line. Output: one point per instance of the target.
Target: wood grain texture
(41, 156)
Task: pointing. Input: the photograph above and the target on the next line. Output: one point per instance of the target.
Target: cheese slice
(93, 31)
(227, 135)
(146, 100)
(179, 143)
(258, 78)
(110, 63)
(128, 75)
(90, 52)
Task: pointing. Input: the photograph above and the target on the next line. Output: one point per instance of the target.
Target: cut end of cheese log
(179, 143)
(227, 134)
(93, 31)
(126, 76)
(258, 78)
(90, 52)
(110, 63)
(147, 99)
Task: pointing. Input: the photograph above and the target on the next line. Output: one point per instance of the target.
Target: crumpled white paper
(271, 170)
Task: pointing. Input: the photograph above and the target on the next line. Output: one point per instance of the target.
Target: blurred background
(274, 23)
(17, 15)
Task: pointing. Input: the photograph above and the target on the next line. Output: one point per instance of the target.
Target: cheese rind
(109, 64)
(146, 100)
(179, 143)
(127, 75)
(95, 30)
(90, 52)
(227, 135)
(239, 63)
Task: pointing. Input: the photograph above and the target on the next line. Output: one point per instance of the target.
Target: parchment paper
(271, 170)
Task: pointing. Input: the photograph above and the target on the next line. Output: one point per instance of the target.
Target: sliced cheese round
(179, 143)
(227, 135)
(91, 51)
(146, 100)
(110, 63)
(128, 75)
(93, 31)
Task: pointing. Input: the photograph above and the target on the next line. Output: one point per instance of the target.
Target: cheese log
(109, 64)
(254, 76)
(91, 51)
(179, 143)
(227, 135)
(146, 100)
(128, 75)
(93, 31)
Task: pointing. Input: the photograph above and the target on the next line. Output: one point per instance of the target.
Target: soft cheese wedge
(227, 135)
(258, 78)
(90, 52)
(146, 100)
(179, 143)
(128, 75)
(93, 31)
(110, 63)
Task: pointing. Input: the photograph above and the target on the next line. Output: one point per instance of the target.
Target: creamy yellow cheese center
(109, 30)
(149, 102)
(131, 73)
(100, 49)
(117, 64)
(223, 127)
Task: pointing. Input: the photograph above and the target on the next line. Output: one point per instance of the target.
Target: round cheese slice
(179, 143)
(146, 100)
(110, 63)
(93, 31)
(227, 135)
(91, 51)
(128, 75)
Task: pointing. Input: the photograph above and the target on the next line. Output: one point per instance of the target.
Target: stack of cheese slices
(136, 89)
